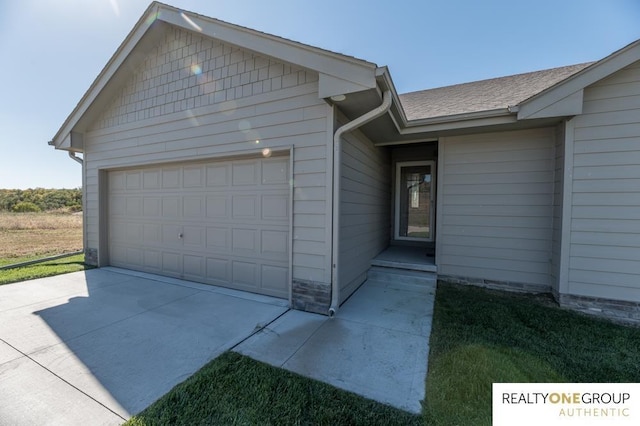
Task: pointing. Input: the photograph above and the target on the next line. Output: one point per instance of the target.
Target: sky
(52, 50)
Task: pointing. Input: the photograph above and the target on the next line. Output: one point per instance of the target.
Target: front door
(415, 201)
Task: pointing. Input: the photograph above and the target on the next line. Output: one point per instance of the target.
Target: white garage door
(223, 223)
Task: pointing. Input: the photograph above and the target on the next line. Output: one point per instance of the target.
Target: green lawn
(481, 336)
(236, 390)
(41, 270)
(478, 337)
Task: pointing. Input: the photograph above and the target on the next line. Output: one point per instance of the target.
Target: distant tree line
(40, 199)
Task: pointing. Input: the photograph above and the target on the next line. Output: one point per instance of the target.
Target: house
(223, 155)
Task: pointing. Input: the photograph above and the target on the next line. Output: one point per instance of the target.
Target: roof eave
(565, 97)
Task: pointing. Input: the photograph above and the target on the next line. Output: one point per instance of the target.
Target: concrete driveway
(104, 344)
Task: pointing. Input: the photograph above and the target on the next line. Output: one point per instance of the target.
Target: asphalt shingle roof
(484, 95)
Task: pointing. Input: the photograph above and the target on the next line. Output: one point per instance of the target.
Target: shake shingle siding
(193, 98)
(605, 233)
(497, 206)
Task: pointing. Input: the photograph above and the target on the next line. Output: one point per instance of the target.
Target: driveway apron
(104, 344)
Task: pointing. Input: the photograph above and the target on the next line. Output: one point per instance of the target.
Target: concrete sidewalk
(95, 347)
(377, 345)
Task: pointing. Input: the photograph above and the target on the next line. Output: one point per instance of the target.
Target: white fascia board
(569, 87)
(566, 107)
(357, 72)
(329, 85)
(106, 74)
(460, 124)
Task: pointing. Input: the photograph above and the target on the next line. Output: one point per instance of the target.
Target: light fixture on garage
(338, 98)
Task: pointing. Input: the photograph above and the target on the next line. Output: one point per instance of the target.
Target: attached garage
(224, 222)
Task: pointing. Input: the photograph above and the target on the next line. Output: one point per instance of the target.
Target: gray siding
(365, 207)
(558, 193)
(496, 203)
(193, 99)
(604, 258)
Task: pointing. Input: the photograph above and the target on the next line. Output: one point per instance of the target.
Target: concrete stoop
(421, 281)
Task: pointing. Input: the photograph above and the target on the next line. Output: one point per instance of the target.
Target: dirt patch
(39, 234)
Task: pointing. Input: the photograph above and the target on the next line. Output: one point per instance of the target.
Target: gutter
(72, 155)
(337, 153)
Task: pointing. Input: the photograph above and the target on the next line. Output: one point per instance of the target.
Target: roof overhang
(565, 98)
(338, 74)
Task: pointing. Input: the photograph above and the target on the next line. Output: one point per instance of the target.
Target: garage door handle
(180, 235)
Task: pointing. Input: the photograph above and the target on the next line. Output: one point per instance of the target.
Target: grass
(24, 236)
(236, 390)
(31, 236)
(45, 269)
(478, 337)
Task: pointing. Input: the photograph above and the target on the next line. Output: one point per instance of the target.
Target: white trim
(396, 227)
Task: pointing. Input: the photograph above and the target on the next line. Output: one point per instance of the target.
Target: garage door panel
(275, 171)
(133, 206)
(171, 207)
(192, 208)
(218, 270)
(153, 260)
(194, 237)
(275, 207)
(151, 234)
(151, 206)
(170, 178)
(244, 241)
(193, 177)
(171, 235)
(244, 207)
(274, 278)
(218, 239)
(133, 180)
(224, 223)
(217, 175)
(217, 207)
(193, 266)
(244, 273)
(275, 244)
(245, 172)
(151, 179)
(116, 181)
(172, 263)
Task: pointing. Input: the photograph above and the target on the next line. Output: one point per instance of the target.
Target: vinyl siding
(195, 99)
(365, 207)
(558, 182)
(496, 201)
(604, 259)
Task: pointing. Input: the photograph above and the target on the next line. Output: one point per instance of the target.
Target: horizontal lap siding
(605, 227)
(364, 208)
(558, 193)
(238, 103)
(497, 206)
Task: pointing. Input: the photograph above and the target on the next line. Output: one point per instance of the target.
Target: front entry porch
(406, 257)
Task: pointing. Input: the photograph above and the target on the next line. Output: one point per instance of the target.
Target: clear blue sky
(52, 50)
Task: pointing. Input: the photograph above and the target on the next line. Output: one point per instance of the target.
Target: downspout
(337, 152)
(74, 158)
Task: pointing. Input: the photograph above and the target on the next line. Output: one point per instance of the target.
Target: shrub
(26, 207)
